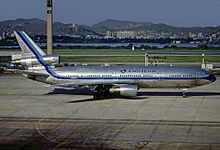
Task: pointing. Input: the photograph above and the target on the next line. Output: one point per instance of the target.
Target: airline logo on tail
(26, 52)
(29, 47)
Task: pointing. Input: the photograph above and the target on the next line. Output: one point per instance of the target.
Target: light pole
(203, 61)
(146, 59)
(49, 27)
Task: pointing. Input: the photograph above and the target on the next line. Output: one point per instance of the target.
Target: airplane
(105, 80)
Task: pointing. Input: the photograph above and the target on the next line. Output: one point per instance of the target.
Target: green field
(137, 56)
(136, 59)
(98, 52)
(118, 51)
(125, 56)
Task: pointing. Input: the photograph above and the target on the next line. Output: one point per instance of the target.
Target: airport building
(126, 34)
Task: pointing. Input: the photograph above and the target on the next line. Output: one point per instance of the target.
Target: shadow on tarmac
(189, 94)
(84, 91)
(87, 91)
(142, 95)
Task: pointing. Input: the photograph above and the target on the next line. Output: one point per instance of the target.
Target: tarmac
(35, 115)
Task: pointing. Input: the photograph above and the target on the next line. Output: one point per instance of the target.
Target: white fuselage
(143, 77)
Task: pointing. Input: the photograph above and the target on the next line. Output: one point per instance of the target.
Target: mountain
(115, 25)
(31, 26)
(38, 27)
(21, 21)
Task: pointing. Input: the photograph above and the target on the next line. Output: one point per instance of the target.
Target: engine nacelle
(125, 90)
(30, 62)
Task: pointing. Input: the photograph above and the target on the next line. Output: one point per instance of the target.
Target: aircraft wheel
(96, 96)
(184, 93)
(101, 92)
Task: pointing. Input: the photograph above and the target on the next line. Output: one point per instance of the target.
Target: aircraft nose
(212, 78)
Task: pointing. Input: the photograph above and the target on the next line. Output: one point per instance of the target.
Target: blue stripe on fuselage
(39, 57)
(144, 78)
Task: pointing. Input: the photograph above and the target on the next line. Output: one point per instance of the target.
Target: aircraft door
(115, 77)
(197, 75)
(160, 76)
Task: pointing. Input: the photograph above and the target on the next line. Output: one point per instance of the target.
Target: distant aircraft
(105, 80)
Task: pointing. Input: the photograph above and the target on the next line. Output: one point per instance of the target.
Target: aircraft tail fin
(26, 43)
(29, 47)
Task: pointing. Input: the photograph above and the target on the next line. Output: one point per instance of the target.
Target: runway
(33, 114)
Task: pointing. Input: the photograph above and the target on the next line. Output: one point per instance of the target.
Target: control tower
(49, 27)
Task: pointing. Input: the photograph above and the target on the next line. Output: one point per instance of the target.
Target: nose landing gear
(184, 93)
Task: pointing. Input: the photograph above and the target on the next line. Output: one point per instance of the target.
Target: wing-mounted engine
(30, 62)
(125, 90)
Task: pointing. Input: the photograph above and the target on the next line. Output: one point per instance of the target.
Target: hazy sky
(172, 12)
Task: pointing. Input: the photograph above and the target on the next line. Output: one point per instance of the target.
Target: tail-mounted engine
(33, 62)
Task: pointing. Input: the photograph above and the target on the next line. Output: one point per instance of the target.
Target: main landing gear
(101, 92)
